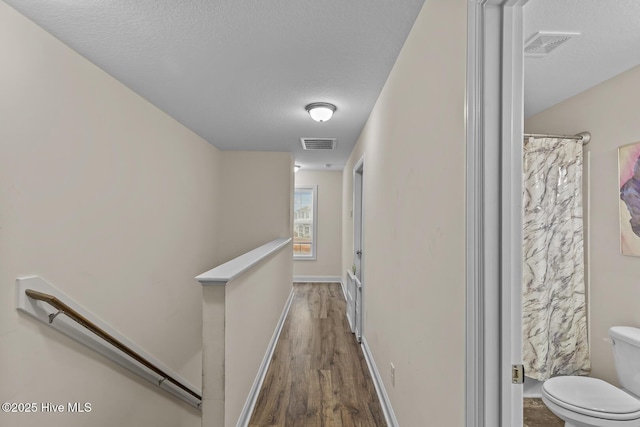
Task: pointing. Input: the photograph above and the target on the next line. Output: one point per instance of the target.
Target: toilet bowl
(591, 402)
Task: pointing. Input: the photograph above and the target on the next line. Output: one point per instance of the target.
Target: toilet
(590, 402)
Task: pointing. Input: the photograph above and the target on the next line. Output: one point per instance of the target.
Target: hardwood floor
(318, 376)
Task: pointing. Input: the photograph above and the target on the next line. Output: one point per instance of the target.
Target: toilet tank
(626, 355)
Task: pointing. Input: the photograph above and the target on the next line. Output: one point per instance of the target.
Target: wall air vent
(318, 143)
(543, 42)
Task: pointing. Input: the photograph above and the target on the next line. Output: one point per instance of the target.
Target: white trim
(249, 405)
(317, 279)
(228, 271)
(387, 409)
(494, 119)
(41, 311)
(314, 240)
(474, 381)
(360, 164)
(512, 118)
(489, 249)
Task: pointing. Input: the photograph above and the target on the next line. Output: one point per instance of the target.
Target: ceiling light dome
(321, 111)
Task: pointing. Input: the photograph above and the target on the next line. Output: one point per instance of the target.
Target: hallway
(318, 375)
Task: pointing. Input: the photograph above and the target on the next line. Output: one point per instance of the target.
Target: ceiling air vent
(543, 42)
(318, 143)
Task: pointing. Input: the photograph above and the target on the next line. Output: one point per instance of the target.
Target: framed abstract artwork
(629, 185)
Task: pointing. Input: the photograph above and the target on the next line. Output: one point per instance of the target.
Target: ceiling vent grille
(318, 143)
(543, 42)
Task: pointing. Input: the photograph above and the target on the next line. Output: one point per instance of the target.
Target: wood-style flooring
(318, 376)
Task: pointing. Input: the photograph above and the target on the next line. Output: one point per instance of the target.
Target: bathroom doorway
(494, 204)
(578, 58)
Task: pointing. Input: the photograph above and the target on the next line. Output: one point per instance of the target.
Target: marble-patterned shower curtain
(554, 322)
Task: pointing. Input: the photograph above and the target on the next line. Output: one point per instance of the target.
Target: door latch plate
(517, 374)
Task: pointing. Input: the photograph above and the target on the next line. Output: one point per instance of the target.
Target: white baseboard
(532, 388)
(389, 415)
(317, 279)
(250, 404)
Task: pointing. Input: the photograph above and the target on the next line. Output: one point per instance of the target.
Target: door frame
(358, 187)
(494, 113)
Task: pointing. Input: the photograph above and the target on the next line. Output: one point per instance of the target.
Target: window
(304, 222)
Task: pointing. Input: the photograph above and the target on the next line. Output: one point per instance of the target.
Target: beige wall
(609, 112)
(256, 201)
(414, 146)
(328, 260)
(114, 203)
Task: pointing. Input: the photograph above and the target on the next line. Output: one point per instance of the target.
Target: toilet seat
(592, 397)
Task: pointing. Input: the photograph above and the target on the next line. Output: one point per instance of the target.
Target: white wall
(114, 203)
(414, 146)
(328, 262)
(609, 112)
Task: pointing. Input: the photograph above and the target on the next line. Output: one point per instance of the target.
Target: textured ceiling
(240, 72)
(609, 44)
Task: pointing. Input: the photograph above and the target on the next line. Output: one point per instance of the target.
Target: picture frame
(629, 198)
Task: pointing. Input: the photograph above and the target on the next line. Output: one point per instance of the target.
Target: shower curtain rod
(583, 137)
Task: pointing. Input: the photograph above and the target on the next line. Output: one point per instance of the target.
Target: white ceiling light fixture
(296, 168)
(321, 111)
